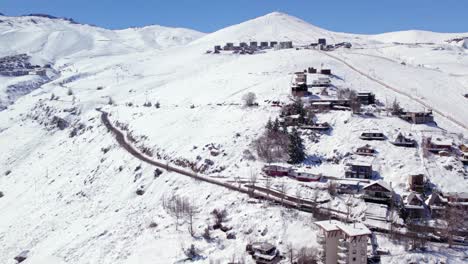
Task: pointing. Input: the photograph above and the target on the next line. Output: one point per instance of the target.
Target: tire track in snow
(396, 90)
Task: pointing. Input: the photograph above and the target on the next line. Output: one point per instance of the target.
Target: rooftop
(381, 183)
(355, 229)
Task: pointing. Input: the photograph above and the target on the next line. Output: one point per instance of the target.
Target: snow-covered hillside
(69, 191)
(53, 39)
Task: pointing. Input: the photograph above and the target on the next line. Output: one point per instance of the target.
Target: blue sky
(356, 16)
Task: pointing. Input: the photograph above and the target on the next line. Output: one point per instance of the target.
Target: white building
(343, 243)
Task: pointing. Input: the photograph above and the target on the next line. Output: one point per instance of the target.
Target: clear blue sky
(356, 16)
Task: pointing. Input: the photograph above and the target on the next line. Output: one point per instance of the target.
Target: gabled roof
(413, 196)
(433, 198)
(381, 183)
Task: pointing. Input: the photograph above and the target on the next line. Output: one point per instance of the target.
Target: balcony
(321, 240)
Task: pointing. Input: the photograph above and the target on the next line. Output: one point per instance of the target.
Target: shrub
(249, 99)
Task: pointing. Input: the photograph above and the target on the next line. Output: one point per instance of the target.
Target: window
(354, 251)
(354, 259)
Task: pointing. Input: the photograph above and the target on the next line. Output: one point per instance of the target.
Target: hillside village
(233, 149)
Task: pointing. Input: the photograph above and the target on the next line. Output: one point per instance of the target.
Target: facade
(276, 170)
(366, 98)
(322, 41)
(321, 82)
(414, 206)
(264, 44)
(299, 85)
(418, 117)
(372, 136)
(311, 70)
(326, 71)
(342, 243)
(436, 204)
(253, 44)
(378, 192)
(273, 44)
(285, 45)
(416, 183)
(360, 170)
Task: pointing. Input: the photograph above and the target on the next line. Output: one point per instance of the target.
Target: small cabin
(416, 183)
(366, 150)
(264, 44)
(276, 170)
(366, 98)
(217, 48)
(404, 141)
(438, 145)
(414, 206)
(378, 192)
(437, 205)
(418, 117)
(273, 44)
(372, 136)
(263, 253)
(357, 169)
(243, 45)
(322, 41)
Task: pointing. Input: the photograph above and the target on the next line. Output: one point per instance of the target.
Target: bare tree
(249, 99)
(307, 256)
(220, 217)
(283, 188)
(454, 217)
(191, 212)
(290, 253)
(110, 101)
(252, 181)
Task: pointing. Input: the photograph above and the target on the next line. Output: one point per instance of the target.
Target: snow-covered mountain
(53, 39)
(69, 190)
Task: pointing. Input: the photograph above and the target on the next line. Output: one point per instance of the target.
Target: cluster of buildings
(253, 46)
(19, 65)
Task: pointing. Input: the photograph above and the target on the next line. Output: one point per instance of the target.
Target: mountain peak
(275, 26)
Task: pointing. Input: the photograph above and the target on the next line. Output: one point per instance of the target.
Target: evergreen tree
(269, 125)
(296, 147)
(276, 125)
(299, 110)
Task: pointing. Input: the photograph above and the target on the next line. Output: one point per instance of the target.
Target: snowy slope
(417, 36)
(53, 39)
(71, 199)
